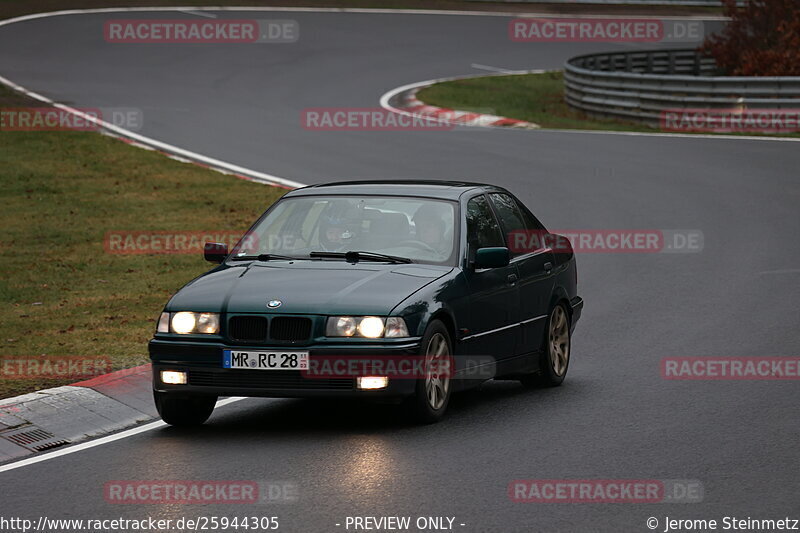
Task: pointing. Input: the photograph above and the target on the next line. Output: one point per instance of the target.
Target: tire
(184, 410)
(432, 393)
(555, 352)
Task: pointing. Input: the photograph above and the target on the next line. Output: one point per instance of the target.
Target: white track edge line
(270, 179)
(97, 442)
(387, 96)
(351, 10)
(267, 178)
(174, 150)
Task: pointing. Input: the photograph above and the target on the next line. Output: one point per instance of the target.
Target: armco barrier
(639, 86)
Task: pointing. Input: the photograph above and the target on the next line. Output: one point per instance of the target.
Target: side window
(482, 228)
(531, 222)
(523, 231)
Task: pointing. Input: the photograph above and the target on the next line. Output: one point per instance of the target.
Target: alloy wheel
(559, 340)
(437, 379)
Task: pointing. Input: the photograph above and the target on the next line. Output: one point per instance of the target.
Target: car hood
(306, 287)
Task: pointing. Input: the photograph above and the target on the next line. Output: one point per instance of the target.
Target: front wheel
(184, 410)
(432, 393)
(554, 358)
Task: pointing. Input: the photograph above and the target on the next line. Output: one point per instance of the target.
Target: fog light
(372, 382)
(172, 377)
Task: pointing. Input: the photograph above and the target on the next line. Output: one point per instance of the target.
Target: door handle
(548, 267)
(512, 279)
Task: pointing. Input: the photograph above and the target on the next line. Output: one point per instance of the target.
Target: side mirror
(492, 257)
(215, 252)
(559, 244)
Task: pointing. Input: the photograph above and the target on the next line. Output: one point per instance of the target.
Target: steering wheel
(419, 244)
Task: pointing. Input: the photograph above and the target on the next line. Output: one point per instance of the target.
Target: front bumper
(202, 362)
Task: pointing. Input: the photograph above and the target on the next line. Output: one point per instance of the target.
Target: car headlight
(185, 322)
(396, 327)
(371, 327)
(163, 323)
(341, 326)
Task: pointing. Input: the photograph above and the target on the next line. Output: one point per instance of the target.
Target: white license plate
(265, 360)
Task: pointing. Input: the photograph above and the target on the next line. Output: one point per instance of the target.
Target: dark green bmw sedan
(400, 291)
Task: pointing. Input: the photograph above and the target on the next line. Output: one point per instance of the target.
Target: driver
(335, 233)
(430, 228)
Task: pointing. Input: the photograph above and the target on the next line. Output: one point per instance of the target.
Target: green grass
(534, 98)
(61, 192)
(63, 295)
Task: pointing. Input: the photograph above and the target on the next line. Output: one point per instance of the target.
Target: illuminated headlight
(371, 327)
(186, 322)
(173, 377)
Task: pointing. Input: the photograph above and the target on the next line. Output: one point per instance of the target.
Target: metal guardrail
(639, 86)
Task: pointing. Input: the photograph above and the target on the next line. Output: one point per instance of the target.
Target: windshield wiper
(264, 257)
(353, 256)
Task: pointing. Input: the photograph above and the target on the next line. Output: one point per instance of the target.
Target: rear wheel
(182, 409)
(554, 357)
(432, 393)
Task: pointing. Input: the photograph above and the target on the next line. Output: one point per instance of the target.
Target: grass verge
(63, 294)
(63, 190)
(531, 97)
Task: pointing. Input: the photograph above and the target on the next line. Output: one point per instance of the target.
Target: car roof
(446, 190)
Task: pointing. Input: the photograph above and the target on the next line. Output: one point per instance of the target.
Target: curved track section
(615, 417)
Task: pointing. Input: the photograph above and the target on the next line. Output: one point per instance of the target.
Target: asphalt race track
(615, 417)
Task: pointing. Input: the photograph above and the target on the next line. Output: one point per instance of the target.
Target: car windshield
(418, 229)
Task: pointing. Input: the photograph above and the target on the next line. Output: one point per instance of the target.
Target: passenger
(431, 229)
